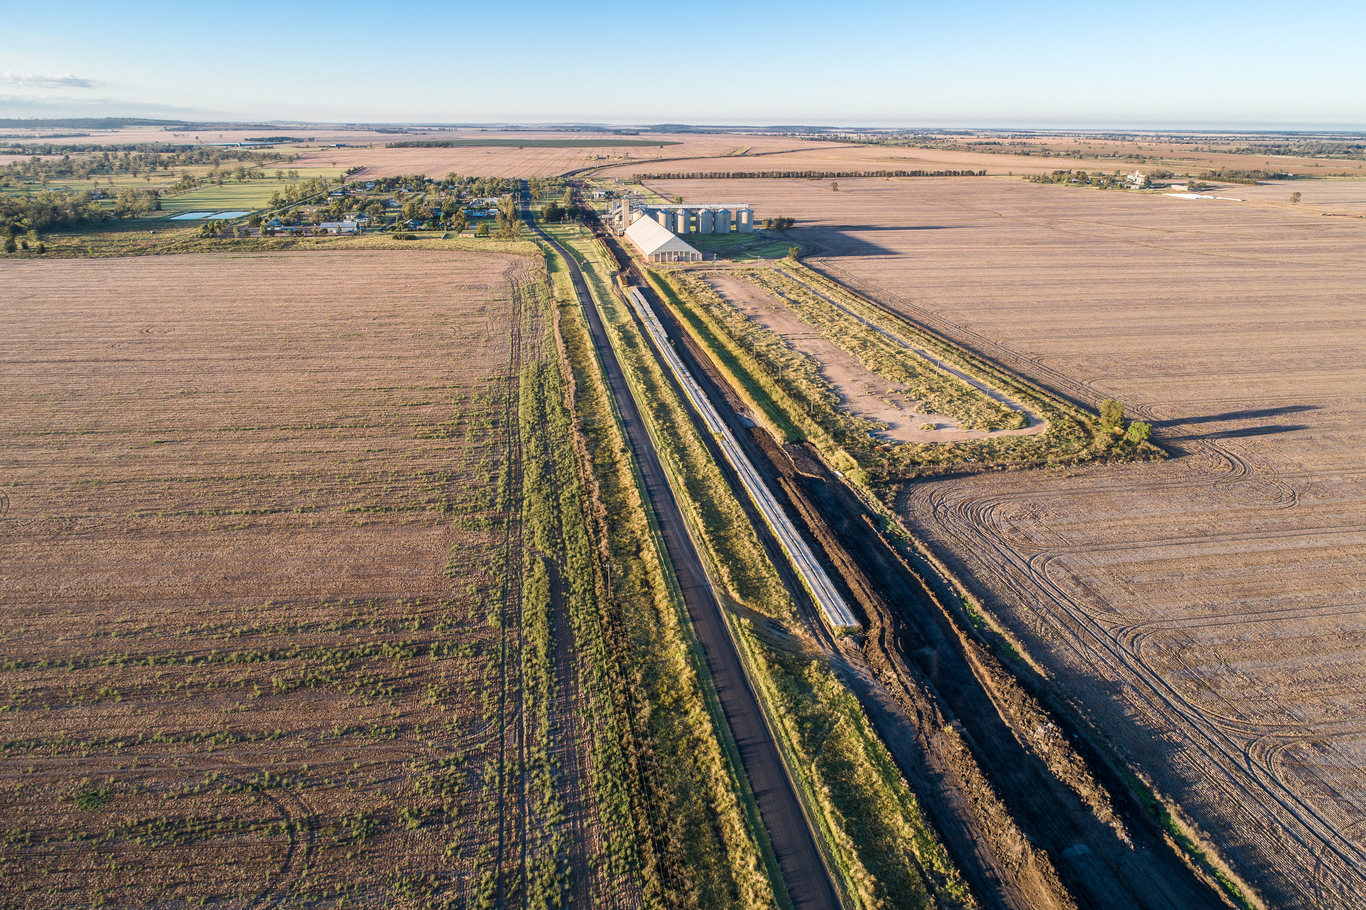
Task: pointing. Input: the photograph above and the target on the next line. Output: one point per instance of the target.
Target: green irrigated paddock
(234, 197)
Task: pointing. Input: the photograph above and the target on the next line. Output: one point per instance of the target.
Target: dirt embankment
(1006, 780)
(1019, 806)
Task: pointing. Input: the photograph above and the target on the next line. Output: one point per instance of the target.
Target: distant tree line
(47, 211)
(804, 175)
(1248, 177)
(30, 136)
(526, 143)
(50, 210)
(111, 163)
(1306, 148)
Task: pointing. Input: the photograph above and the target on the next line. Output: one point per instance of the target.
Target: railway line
(833, 607)
(805, 878)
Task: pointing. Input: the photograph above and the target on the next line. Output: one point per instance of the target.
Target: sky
(976, 63)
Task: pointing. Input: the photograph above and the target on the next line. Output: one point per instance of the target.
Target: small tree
(835, 186)
(11, 245)
(678, 200)
(482, 230)
(1111, 414)
(792, 252)
(1139, 432)
(1295, 196)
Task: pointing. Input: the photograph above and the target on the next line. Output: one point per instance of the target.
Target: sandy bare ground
(1207, 613)
(250, 558)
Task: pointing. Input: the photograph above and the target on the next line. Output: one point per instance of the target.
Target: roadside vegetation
(667, 780)
(869, 823)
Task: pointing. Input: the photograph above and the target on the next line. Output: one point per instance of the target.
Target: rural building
(339, 227)
(658, 244)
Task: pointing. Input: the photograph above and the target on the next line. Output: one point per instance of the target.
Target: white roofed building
(658, 244)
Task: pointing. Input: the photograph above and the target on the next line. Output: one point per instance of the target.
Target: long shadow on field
(1246, 432)
(896, 227)
(1254, 414)
(839, 239)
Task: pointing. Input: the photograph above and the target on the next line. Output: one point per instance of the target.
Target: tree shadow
(843, 239)
(1246, 432)
(1253, 414)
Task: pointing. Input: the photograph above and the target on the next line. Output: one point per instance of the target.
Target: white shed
(658, 244)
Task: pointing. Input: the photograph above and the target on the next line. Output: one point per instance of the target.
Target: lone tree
(1111, 414)
(835, 185)
(1295, 196)
(1139, 432)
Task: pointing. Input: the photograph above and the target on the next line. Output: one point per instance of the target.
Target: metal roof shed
(658, 244)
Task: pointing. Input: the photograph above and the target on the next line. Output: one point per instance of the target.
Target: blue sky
(975, 63)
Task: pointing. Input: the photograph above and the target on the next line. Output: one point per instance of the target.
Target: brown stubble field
(1097, 156)
(533, 161)
(255, 615)
(1207, 613)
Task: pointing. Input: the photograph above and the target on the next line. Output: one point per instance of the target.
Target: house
(339, 227)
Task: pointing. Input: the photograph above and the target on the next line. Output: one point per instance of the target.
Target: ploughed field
(256, 604)
(1207, 613)
(995, 158)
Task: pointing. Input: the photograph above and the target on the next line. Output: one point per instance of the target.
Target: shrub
(1139, 432)
(1111, 414)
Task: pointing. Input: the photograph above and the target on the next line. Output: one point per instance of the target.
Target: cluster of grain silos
(703, 218)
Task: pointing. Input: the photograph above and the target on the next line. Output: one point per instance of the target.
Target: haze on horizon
(983, 63)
